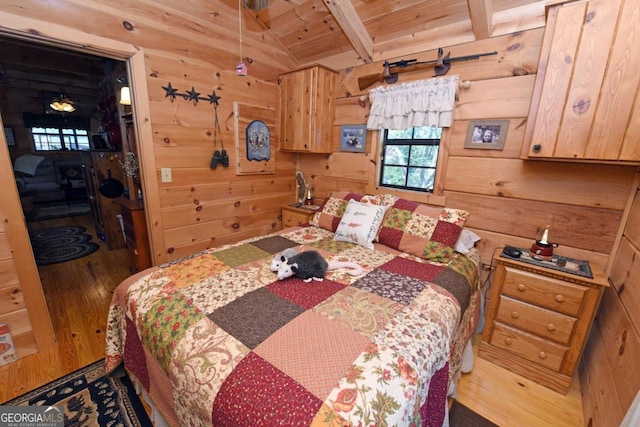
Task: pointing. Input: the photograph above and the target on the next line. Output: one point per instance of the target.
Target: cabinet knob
(551, 327)
(536, 148)
(522, 287)
(542, 355)
(507, 341)
(515, 314)
(559, 298)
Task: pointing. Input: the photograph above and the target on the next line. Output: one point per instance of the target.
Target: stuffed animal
(282, 258)
(310, 265)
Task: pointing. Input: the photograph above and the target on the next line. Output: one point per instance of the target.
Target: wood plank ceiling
(290, 34)
(345, 33)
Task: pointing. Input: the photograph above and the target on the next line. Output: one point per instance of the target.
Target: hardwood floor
(78, 295)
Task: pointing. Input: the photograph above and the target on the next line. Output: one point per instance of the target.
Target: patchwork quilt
(216, 339)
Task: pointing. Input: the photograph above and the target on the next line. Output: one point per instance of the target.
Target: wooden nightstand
(538, 320)
(292, 216)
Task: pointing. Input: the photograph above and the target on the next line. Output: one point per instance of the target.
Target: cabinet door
(586, 84)
(307, 107)
(295, 125)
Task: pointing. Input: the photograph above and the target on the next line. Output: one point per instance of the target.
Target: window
(409, 158)
(55, 139)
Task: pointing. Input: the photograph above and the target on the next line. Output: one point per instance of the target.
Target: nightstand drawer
(544, 291)
(293, 216)
(540, 321)
(527, 346)
(291, 219)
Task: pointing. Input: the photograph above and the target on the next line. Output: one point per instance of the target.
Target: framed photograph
(486, 134)
(8, 133)
(353, 138)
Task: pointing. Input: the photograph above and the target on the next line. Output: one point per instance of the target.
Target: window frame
(64, 137)
(428, 142)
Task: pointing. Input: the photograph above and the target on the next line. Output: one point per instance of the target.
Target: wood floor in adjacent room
(78, 294)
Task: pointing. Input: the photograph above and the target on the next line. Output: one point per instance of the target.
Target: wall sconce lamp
(62, 104)
(125, 95)
(125, 92)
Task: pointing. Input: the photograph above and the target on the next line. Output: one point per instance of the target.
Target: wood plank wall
(196, 48)
(609, 372)
(509, 199)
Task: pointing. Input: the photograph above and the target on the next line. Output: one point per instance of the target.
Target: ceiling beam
(480, 12)
(346, 16)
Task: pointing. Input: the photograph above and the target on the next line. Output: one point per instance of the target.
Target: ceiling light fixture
(256, 4)
(62, 104)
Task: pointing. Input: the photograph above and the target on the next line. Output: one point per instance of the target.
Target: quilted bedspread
(221, 341)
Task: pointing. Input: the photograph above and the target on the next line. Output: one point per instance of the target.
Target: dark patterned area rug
(461, 416)
(60, 244)
(90, 399)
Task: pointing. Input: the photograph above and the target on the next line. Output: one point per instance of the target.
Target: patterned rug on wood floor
(59, 244)
(90, 398)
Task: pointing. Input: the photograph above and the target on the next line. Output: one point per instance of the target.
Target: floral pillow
(332, 209)
(360, 223)
(427, 232)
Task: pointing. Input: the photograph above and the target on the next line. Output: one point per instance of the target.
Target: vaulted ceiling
(345, 33)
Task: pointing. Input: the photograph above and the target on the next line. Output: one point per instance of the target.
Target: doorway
(18, 240)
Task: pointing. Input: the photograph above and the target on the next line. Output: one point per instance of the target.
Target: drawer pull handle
(515, 314)
(522, 287)
(542, 355)
(551, 327)
(559, 298)
(507, 341)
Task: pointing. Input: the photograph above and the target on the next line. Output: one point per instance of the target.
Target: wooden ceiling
(292, 33)
(345, 33)
(32, 73)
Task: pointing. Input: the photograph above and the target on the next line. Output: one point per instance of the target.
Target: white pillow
(360, 223)
(27, 164)
(466, 241)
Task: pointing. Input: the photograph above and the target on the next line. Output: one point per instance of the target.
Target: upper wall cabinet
(586, 103)
(307, 107)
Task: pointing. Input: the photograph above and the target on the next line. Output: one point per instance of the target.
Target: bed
(216, 339)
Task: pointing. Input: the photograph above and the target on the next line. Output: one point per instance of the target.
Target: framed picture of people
(486, 134)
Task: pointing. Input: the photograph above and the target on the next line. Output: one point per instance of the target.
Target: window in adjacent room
(409, 158)
(56, 139)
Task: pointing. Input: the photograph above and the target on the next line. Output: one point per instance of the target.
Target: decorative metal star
(171, 91)
(192, 95)
(213, 98)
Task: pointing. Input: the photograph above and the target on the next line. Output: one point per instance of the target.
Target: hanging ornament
(241, 67)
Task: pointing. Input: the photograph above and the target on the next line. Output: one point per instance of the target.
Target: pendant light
(62, 104)
(241, 67)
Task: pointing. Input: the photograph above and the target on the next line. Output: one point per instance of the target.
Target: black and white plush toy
(282, 258)
(310, 265)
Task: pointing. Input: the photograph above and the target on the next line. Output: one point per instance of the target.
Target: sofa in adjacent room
(44, 180)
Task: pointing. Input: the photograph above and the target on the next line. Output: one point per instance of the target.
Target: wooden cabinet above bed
(585, 104)
(307, 107)
(538, 320)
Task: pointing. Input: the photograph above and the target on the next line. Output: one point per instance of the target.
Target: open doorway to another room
(72, 146)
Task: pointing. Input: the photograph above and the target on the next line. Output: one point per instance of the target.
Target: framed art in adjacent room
(8, 133)
(353, 138)
(486, 134)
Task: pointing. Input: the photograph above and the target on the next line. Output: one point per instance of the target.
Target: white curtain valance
(420, 103)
